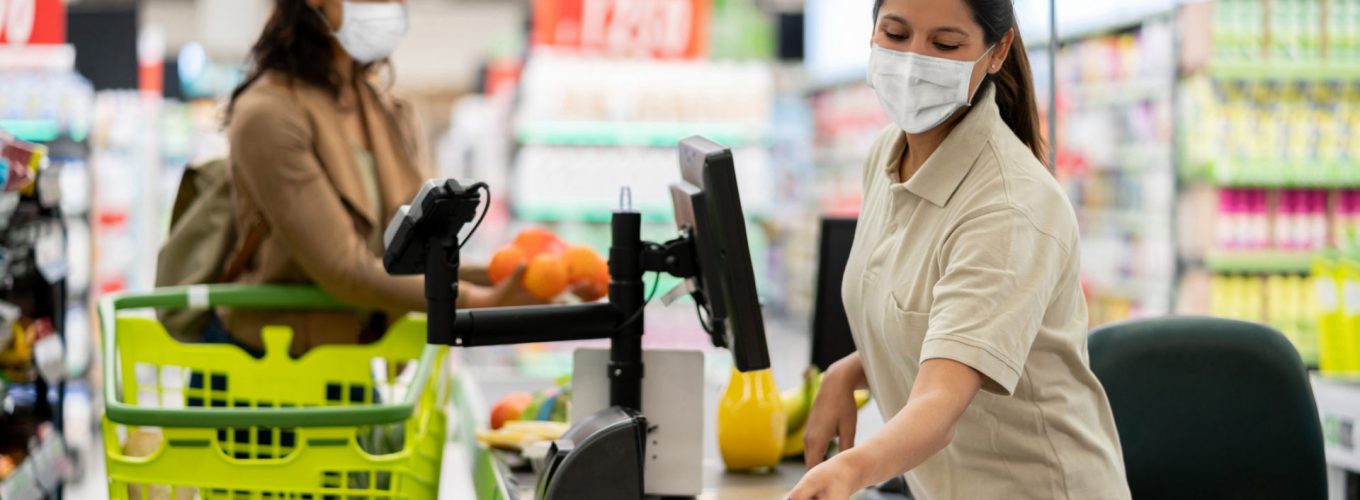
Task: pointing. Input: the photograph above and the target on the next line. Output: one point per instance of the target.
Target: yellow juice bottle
(1350, 323)
(1328, 295)
(751, 421)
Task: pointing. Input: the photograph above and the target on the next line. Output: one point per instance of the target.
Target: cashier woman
(962, 286)
(322, 157)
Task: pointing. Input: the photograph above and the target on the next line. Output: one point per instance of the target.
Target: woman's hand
(835, 479)
(834, 414)
(509, 292)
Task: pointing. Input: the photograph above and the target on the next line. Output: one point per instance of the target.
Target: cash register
(603, 454)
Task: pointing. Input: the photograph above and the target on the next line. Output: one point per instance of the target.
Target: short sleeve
(999, 272)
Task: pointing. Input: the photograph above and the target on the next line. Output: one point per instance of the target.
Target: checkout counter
(471, 471)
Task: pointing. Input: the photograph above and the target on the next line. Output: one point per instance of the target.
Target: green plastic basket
(210, 421)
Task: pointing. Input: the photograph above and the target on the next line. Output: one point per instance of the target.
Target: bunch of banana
(516, 434)
(798, 404)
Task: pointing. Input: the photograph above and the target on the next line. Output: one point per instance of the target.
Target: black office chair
(1211, 408)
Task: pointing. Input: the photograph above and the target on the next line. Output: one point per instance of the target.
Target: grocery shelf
(1283, 174)
(1259, 262)
(1284, 71)
(1090, 217)
(658, 134)
(1121, 93)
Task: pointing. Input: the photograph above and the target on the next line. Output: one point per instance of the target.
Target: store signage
(662, 29)
(32, 22)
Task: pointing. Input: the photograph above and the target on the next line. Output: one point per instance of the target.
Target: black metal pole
(625, 293)
(441, 294)
(526, 325)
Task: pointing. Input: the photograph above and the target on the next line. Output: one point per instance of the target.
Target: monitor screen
(831, 338)
(708, 208)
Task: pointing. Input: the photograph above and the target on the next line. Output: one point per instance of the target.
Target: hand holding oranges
(551, 267)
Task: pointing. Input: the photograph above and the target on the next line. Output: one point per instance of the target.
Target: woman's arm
(271, 150)
(943, 390)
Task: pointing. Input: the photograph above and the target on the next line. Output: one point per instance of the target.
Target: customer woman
(321, 160)
(962, 286)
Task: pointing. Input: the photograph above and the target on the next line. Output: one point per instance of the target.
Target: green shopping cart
(210, 421)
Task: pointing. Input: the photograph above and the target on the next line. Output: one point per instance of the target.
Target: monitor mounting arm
(423, 239)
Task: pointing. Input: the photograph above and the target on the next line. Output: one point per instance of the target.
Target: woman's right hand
(834, 414)
(509, 292)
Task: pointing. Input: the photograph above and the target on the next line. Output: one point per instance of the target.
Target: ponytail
(1016, 100)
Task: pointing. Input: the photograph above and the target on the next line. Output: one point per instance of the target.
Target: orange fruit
(511, 407)
(546, 276)
(583, 263)
(504, 263)
(597, 287)
(536, 241)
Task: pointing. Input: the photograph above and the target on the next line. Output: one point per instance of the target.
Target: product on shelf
(1115, 160)
(1284, 301)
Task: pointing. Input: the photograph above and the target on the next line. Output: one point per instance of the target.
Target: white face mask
(370, 31)
(920, 92)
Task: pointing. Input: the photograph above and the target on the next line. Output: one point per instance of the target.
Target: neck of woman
(921, 146)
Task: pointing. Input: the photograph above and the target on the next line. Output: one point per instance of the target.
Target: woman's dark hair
(295, 42)
(1014, 83)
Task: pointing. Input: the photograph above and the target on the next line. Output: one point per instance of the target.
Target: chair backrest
(1211, 408)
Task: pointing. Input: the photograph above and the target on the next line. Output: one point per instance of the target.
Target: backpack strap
(249, 246)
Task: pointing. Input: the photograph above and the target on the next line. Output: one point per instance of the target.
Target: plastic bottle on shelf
(1348, 220)
(1318, 220)
(1244, 236)
(1260, 220)
(1336, 221)
(1286, 221)
(1226, 229)
(1275, 305)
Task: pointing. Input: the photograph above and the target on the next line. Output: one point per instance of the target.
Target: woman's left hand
(834, 479)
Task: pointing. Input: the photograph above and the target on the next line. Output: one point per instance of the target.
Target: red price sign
(32, 22)
(662, 29)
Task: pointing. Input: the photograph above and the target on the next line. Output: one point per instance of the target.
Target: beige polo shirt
(975, 259)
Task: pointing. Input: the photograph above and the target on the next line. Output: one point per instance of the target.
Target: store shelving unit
(45, 344)
(1116, 160)
(1270, 118)
(1259, 262)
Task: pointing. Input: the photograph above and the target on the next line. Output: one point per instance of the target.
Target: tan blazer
(294, 168)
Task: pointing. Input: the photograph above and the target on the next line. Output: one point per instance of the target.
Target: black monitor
(831, 339)
(708, 209)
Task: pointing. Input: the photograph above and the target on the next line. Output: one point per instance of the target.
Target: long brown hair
(1015, 82)
(297, 43)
